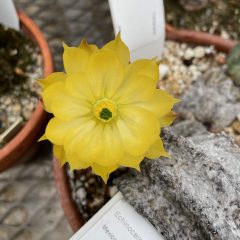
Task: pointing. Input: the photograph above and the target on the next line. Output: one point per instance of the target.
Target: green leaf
(233, 64)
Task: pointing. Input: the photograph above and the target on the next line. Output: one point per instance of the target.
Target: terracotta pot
(25, 139)
(61, 178)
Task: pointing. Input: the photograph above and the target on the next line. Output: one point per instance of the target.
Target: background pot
(72, 214)
(24, 142)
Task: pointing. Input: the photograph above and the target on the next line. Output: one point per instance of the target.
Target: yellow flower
(107, 112)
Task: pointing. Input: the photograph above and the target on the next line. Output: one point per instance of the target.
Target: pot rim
(31, 131)
(73, 216)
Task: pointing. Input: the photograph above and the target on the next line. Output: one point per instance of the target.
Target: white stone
(199, 52)
(203, 67)
(180, 53)
(224, 34)
(113, 190)
(189, 54)
(183, 45)
(210, 50)
(183, 69)
(163, 70)
(193, 68)
(81, 193)
(196, 75)
(16, 108)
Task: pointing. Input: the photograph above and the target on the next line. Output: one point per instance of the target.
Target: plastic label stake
(142, 26)
(117, 220)
(8, 14)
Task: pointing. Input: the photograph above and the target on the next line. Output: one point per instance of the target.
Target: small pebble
(26, 114)
(113, 190)
(81, 193)
(163, 70)
(199, 52)
(236, 126)
(220, 58)
(203, 67)
(229, 130)
(17, 108)
(237, 140)
(7, 101)
(210, 50)
(224, 34)
(189, 54)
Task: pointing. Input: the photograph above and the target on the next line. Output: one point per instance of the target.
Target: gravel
(18, 105)
(89, 191)
(185, 64)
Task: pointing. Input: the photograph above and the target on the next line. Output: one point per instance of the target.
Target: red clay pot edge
(72, 214)
(201, 38)
(10, 153)
(64, 190)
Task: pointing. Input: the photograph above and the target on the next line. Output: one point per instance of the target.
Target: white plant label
(142, 26)
(117, 220)
(8, 14)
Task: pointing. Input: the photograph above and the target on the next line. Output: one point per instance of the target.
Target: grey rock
(195, 194)
(193, 5)
(213, 100)
(189, 128)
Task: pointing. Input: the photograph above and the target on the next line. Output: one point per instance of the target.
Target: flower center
(104, 109)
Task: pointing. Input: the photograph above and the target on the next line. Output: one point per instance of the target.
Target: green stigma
(105, 114)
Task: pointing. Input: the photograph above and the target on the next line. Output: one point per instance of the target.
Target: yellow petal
(88, 47)
(74, 58)
(42, 138)
(78, 86)
(110, 146)
(167, 119)
(138, 129)
(136, 90)
(64, 106)
(68, 108)
(52, 94)
(87, 144)
(96, 144)
(143, 67)
(156, 150)
(103, 172)
(120, 49)
(105, 73)
(132, 161)
(75, 163)
(72, 159)
(51, 79)
(161, 103)
(79, 137)
(57, 130)
(139, 82)
(59, 153)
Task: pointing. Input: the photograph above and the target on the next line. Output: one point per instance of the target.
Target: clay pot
(24, 140)
(60, 174)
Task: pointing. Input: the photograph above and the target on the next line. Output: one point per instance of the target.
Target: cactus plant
(233, 63)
